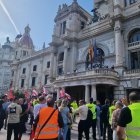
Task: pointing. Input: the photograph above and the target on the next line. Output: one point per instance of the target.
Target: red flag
(26, 93)
(67, 96)
(34, 92)
(62, 93)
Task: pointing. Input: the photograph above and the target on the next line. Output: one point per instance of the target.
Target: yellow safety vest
(133, 128)
(74, 105)
(111, 109)
(92, 107)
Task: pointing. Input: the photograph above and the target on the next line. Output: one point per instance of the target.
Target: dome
(26, 40)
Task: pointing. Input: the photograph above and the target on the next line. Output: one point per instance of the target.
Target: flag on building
(95, 49)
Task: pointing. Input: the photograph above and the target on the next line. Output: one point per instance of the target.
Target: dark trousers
(93, 125)
(82, 128)
(68, 134)
(107, 126)
(11, 127)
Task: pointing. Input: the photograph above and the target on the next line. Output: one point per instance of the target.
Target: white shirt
(83, 111)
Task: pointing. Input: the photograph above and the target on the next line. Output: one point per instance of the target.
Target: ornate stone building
(6, 58)
(114, 30)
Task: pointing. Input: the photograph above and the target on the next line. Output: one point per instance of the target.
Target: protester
(93, 109)
(2, 115)
(98, 113)
(74, 107)
(115, 117)
(41, 104)
(105, 119)
(23, 117)
(129, 118)
(47, 124)
(14, 111)
(82, 125)
(65, 112)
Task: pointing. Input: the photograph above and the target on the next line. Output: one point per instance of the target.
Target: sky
(39, 14)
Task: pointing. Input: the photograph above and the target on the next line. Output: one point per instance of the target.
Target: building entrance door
(104, 92)
(76, 92)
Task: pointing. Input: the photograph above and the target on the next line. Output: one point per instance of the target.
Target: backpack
(89, 118)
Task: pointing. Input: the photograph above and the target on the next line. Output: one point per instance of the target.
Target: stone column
(74, 51)
(87, 95)
(29, 75)
(55, 65)
(93, 92)
(51, 67)
(119, 44)
(65, 60)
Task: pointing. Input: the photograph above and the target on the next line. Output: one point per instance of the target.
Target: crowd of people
(53, 119)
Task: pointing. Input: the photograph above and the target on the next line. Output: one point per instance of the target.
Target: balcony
(95, 76)
(134, 44)
(132, 73)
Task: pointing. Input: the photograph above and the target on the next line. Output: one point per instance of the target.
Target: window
(24, 53)
(135, 60)
(33, 81)
(48, 64)
(135, 36)
(24, 71)
(34, 67)
(16, 52)
(82, 25)
(62, 28)
(132, 1)
(61, 57)
(22, 83)
(46, 78)
(125, 3)
(12, 73)
(60, 70)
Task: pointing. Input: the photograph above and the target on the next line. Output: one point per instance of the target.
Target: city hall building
(114, 71)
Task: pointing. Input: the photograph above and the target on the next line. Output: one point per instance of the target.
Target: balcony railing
(134, 44)
(132, 72)
(93, 73)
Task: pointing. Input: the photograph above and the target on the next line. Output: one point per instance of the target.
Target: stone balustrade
(132, 72)
(137, 43)
(94, 73)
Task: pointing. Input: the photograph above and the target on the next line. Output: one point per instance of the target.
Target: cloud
(9, 17)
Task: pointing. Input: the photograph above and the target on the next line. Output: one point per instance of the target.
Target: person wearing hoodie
(14, 110)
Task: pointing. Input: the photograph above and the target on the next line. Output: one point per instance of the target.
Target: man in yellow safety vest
(130, 118)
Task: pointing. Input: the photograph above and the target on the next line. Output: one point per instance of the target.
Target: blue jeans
(63, 132)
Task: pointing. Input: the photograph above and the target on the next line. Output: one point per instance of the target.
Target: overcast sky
(39, 14)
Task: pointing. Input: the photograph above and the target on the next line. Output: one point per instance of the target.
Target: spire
(27, 29)
(44, 46)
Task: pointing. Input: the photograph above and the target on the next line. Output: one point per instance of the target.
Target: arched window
(98, 58)
(134, 36)
(134, 40)
(61, 57)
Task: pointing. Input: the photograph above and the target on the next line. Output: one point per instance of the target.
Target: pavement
(74, 133)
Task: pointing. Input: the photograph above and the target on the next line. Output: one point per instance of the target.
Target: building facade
(6, 58)
(114, 30)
